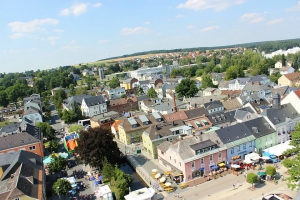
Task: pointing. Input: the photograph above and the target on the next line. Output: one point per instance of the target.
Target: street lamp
(58, 193)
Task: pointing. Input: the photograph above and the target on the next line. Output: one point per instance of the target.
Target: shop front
(198, 172)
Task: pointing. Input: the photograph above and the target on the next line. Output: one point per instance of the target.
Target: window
(238, 148)
(232, 150)
(202, 160)
(179, 163)
(250, 144)
(259, 140)
(220, 155)
(193, 164)
(210, 157)
(32, 148)
(244, 145)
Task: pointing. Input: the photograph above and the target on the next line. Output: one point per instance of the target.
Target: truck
(84, 122)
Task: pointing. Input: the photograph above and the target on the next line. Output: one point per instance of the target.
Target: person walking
(238, 184)
(233, 186)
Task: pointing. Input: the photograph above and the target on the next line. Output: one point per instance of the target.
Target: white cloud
(216, 5)
(10, 51)
(31, 26)
(134, 31)
(275, 21)
(294, 8)
(71, 48)
(180, 16)
(249, 16)
(256, 20)
(102, 41)
(75, 9)
(51, 39)
(58, 31)
(97, 5)
(147, 23)
(158, 34)
(73, 42)
(190, 27)
(210, 28)
(17, 35)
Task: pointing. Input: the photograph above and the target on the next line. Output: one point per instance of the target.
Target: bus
(84, 122)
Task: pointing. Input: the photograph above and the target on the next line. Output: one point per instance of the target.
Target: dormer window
(146, 123)
(134, 125)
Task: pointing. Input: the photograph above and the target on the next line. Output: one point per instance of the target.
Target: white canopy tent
(141, 194)
(278, 150)
(254, 157)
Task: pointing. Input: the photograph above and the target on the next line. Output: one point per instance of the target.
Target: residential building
(199, 124)
(33, 114)
(217, 77)
(34, 104)
(238, 84)
(239, 141)
(68, 104)
(10, 129)
(123, 105)
(163, 106)
(231, 104)
(54, 90)
(264, 133)
(157, 134)
(145, 71)
(115, 93)
(179, 115)
(87, 72)
(211, 92)
(231, 93)
(22, 176)
(35, 97)
(196, 112)
(219, 119)
(193, 156)
(30, 140)
(244, 114)
(131, 129)
(214, 106)
(292, 80)
(104, 120)
(294, 99)
(140, 99)
(167, 69)
(286, 70)
(94, 105)
(115, 127)
(278, 65)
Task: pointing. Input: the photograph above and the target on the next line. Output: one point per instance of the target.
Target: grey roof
(259, 127)
(171, 87)
(241, 81)
(223, 84)
(196, 112)
(277, 116)
(32, 110)
(213, 104)
(164, 146)
(94, 100)
(258, 78)
(231, 115)
(242, 112)
(199, 101)
(77, 98)
(218, 118)
(142, 97)
(34, 131)
(11, 128)
(144, 82)
(203, 144)
(233, 133)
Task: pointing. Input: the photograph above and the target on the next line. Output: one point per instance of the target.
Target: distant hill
(267, 46)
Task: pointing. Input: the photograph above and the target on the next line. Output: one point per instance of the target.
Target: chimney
(174, 102)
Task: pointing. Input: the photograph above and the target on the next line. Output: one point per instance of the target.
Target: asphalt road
(56, 121)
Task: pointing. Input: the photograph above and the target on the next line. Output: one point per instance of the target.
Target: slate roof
(94, 100)
(213, 105)
(242, 112)
(231, 104)
(196, 112)
(199, 101)
(233, 133)
(218, 118)
(259, 127)
(77, 98)
(142, 97)
(223, 84)
(32, 110)
(277, 116)
(241, 81)
(258, 78)
(144, 82)
(27, 170)
(231, 115)
(164, 146)
(11, 128)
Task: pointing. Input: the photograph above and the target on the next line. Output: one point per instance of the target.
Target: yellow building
(131, 129)
(157, 134)
(291, 79)
(126, 84)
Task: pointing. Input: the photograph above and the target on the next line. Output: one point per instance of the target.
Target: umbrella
(154, 170)
(157, 175)
(261, 173)
(235, 166)
(248, 161)
(214, 167)
(265, 157)
(168, 184)
(163, 179)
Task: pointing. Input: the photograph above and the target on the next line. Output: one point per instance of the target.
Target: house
(163, 106)
(22, 176)
(33, 114)
(154, 135)
(115, 128)
(175, 116)
(115, 93)
(131, 129)
(68, 104)
(211, 92)
(264, 133)
(292, 80)
(94, 105)
(219, 119)
(30, 140)
(258, 106)
(34, 104)
(214, 106)
(244, 114)
(286, 70)
(35, 97)
(278, 65)
(140, 99)
(199, 124)
(283, 118)
(54, 90)
(104, 120)
(10, 129)
(231, 93)
(294, 99)
(196, 112)
(238, 140)
(195, 102)
(87, 72)
(223, 85)
(192, 157)
(217, 77)
(284, 90)
(231, 104)
(123, 105)
(238, 84)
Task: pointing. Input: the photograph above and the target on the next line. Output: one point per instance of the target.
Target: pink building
(193, 156)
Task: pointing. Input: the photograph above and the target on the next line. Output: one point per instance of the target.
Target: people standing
(233, 186)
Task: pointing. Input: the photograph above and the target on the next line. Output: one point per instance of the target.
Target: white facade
(31, 104)
(286, 70)
(141, 72)
(115, 93)
(293, 99)
(278, 65)
(90, 111)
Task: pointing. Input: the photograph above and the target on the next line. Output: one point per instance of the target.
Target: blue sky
(47, 34)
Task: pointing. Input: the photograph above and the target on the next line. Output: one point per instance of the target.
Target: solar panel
(132, 121)
(143, 118)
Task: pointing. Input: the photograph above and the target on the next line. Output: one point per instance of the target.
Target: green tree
(199, 72)
(122, 183)
(151, 93)
(108, 170)
(200, 60)
(274, 77)
(47, 130)
(206, 81)
(54, 145)
(270, 170)
(75, 128)
(81, 90)
(234, 72)
(186, 88)
(292, 164)
(97, 143)
(62, 187)
(123, 96)
(72, 89)
(39, 86)
(58, 164)
(252, 178)
(3, 99)
(114, 83)
(283, 60)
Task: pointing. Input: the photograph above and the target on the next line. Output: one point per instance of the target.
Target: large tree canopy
(96, 144)
(151, 93)
(186, 88)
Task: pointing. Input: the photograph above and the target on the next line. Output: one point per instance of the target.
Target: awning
(201, 168)
(235, 166)
(215, 167)
(248, 161)
(221, 164)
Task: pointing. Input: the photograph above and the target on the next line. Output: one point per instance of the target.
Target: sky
(47, 34)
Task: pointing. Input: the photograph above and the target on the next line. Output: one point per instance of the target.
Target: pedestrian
(282, 178)
(244, 174)
(233, 186)
(238, 184)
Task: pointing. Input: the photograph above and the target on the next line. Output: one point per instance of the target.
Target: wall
(241, 152)
(293, 99)
(125, 137)
(265, 142)
(36, 117)
(124, 107)
(38, 149)
(283, 81)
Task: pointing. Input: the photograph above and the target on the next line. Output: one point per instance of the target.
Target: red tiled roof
(297, 92)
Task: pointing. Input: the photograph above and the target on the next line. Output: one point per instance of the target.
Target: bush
(270, 170)
(252, 178)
